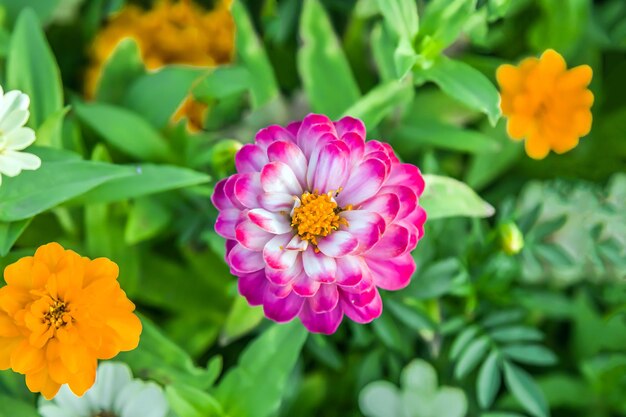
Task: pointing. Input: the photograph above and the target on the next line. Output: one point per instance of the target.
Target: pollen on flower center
(57, 315)
(317, 215)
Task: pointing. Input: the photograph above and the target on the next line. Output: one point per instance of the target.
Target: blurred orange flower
(59, 314)
(545, 103)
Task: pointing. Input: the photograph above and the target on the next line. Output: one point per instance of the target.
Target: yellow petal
(7, 345)
(582, 122)
(518, 127)
(41, 382)
(552, 62)
(49, 255)
(80, 382)
(536, 146)
(25, 358)
(575, 78)
(19, 273)
(509, 77)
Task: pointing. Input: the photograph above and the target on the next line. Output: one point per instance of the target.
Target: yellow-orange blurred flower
(194, 111)
(59, 314)
(172, 32)
(545, 103)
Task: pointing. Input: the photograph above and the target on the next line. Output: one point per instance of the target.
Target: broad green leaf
(142, 180)
(383, 51)
(379, 102)
(401, 16)
(420, 376)
(191, 402)
(168, 87)
(489, 380)
(241, 319)
(31, 68)
(380, 399)
(22, 197)
(323, 67)
(524, 388)
(560, 25)
(125, 130)
(146, 219)
(9, 233)
(462, 340)
(440, 135)
(471, 357)
(252, 56)
(222, 82)
(325, 351)
(464, 83)
(530, 354)
(442, 23)
(447, 197)
(12, 407)
(497, 414)
(516, 334)
(159, 359)
(404, 58)
(48, 132)
(119, 71)
(43, 9)
(256, 385)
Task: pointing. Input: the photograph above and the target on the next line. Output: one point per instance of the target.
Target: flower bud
(511, 238)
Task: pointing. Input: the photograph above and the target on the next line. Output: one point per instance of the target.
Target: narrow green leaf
(401, 16)
(462, 341)
(48, 132)
(516, 334)
(436, 280)
(125, 130)
(169, 86)
(241, 320)
(440, 135)
(489, 380)
(146, 219)
(9, 233)
(447, 197)
(250, 53)
(383, 51)
(379, 102)
(256, 385)
(498, 318)
(142, 180)
(31, 68)
(323, 67)
(471, 357)
(442, 23)
(191, 402)
(464, 83)
(119, 71)
(524, 388)
(530, 354)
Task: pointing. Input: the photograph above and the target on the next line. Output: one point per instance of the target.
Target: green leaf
(252, 56)
(440, 135)
(401, 17)
(447, 197)
(43, 9)
(471, 357)
(530, 354)
(21, 197)
(516, 334)
(404, 58)
(241, 320)
(323, 67)
(159, 359)
(119, 71)
(464, 83)
(12, 407)
(9, 233)
(146, 219)
(168, 87)
(223, 82)
(48, 132)
(256, 385)
(142, 180)
(379, 102)
(489, 380)
(442, 23)
(524, 388)
(383, 51)
(191, 402)
(31, 68)
(125, 130)
(436, 280)
(462, 341)
(500, 317)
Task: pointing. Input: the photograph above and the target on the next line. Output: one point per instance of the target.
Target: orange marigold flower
(545, 103)
(59, 314)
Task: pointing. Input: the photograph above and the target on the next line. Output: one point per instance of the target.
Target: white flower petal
(19, 139)
(13, 100)
(13, 120)
(9, 166)
(51, 410)
(27, 161)
(72, 404)
(148, 402)
(111, 379)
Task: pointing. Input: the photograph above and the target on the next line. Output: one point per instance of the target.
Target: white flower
(13, 136)
(115, 394)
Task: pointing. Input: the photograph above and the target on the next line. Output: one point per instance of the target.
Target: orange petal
(7, 345)
(509, 77)
(564, 144)
(19, 273)
(128, 329)
(582, 122)
(80, 382)
(25, 358)
(49, 255)
(41, 382)
(517, 127)
(577, 77)
(100, 268)
(536, 146)
(552, 62)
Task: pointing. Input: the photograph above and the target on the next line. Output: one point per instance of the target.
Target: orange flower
(194, 111)
(59, 314)
(545, 103)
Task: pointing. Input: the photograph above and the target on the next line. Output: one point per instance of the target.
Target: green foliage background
(483, 332)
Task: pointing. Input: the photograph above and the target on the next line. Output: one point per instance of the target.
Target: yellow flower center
(317, 215)
(57, 315)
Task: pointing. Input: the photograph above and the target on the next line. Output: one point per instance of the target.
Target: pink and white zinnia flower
(317, 219)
